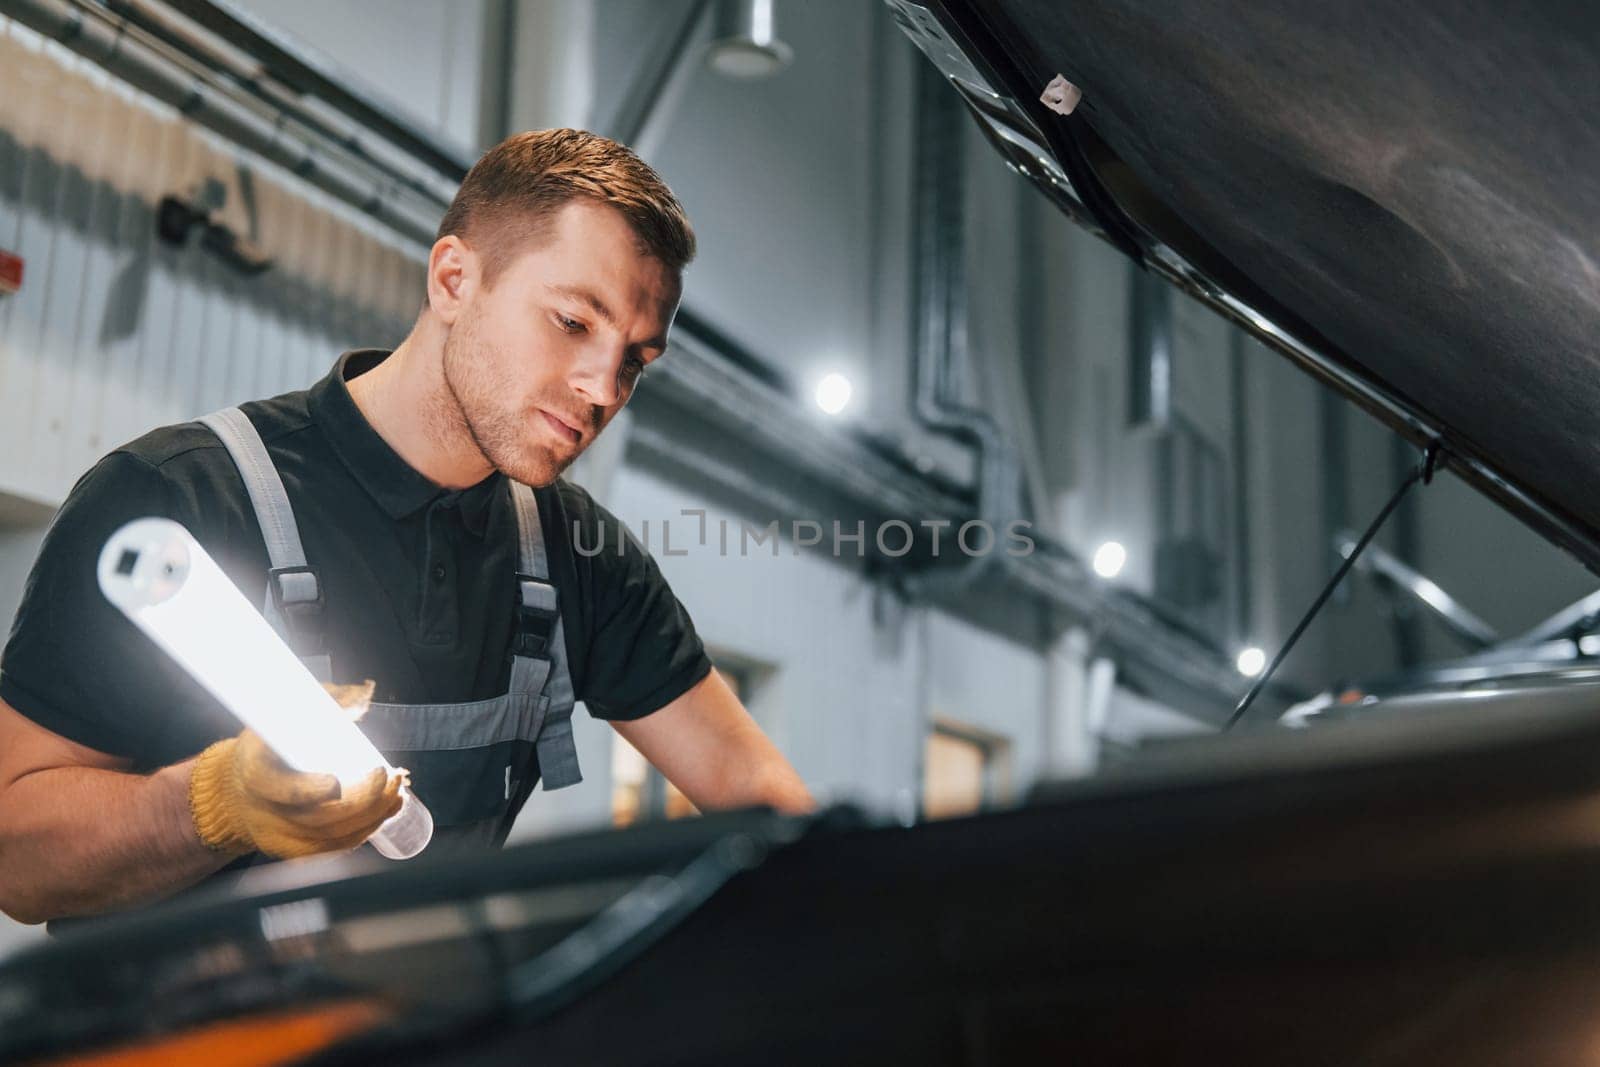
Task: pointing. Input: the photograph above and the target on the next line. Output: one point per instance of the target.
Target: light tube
(160, 578)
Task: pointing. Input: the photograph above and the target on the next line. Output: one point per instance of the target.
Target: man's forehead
(609, 278)
(585, 295)
(612, 300)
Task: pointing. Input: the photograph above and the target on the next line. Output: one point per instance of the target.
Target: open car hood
(1405, 201)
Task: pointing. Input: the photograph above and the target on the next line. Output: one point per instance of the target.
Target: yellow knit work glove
(245, 799)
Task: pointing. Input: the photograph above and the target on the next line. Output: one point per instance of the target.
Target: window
(630, 776)
(964, 771)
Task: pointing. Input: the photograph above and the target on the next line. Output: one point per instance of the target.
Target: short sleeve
(643, 652)
(73, 663)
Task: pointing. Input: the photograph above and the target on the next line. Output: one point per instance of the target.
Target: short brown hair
(510, 195)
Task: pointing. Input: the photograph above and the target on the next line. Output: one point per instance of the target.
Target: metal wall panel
(115, 332)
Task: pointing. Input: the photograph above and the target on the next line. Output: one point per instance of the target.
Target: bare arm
(79, 834)
(707, 745)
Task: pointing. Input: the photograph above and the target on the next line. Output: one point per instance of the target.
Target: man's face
(541, 360)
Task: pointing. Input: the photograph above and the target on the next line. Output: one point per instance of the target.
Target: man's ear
(453, 274)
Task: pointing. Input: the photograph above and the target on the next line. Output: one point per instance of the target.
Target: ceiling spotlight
(745, 42)
(1109, 558)
(1252, 661)
(833, 393)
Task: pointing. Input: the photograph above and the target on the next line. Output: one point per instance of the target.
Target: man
(404, 548)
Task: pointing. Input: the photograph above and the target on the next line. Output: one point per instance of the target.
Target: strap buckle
(538, 608)
(297, 595)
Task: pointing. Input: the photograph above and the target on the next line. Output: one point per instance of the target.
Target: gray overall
(468, 762)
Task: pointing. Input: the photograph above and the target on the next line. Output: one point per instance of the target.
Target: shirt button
(438, 572)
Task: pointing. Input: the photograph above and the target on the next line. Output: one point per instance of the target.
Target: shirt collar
(476, 502)
(399, 488)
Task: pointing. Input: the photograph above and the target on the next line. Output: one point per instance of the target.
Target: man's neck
(405, 399)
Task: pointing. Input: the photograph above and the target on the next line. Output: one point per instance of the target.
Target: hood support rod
(1423, 474)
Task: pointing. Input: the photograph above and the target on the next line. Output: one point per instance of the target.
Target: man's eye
(569, 325)
(632, 367)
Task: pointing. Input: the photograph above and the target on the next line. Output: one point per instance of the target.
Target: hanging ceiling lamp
(744, 43)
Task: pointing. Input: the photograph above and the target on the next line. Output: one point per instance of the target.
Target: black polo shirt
(419, 582)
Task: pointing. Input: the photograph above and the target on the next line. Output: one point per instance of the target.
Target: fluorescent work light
(159, 577)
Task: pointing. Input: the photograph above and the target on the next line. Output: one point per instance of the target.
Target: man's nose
(595, 377)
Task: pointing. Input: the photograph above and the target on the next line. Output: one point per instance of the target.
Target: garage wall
(115, 331)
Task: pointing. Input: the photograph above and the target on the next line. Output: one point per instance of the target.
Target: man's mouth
(562, 426)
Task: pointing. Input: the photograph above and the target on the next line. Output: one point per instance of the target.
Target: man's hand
(80, 833)
(245, 799)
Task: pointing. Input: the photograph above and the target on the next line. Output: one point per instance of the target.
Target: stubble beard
(476, 394)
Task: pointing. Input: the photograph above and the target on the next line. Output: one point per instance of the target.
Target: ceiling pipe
(124, 55)
(308, 71)
(939, 344)
(253, 78)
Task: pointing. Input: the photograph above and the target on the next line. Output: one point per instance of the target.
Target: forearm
(81, 840)
(707, 745)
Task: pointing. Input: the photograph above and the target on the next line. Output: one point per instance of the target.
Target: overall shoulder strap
(293, 603)
(539, 651)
